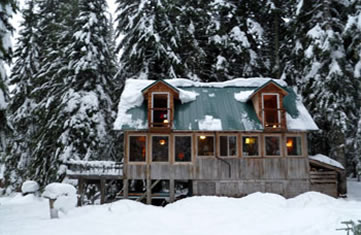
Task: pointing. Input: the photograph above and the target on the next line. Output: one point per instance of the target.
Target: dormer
(268, 103)
(160, 97)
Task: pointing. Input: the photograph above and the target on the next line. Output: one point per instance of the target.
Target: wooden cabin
(230, 138)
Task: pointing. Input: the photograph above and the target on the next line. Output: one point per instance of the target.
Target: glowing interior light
(274, 126)
(289, 144)
(165, 121)
(250, 140)
(202, 137)
(162, 142)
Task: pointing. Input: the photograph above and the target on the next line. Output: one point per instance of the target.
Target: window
(250, 146)
(205, 145)
(228, 146)
(294, 146)
(271, 110)
(272, 145)
(160, 148)
(137, 146)
(160, 110)
(183, 148)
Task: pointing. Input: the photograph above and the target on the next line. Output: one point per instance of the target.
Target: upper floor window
(294, 145)
(271, 110)
(160, 110)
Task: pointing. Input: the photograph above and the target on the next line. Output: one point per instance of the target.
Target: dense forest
(71, 60)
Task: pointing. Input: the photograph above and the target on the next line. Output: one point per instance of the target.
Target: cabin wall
(234, 176)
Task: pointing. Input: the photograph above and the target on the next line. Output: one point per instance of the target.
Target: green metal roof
(218, 103)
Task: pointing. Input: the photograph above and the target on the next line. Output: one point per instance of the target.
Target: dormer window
(160, 109)
(160, 97)
(271, 110)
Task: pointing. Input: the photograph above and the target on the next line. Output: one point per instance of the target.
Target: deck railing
(94, 168)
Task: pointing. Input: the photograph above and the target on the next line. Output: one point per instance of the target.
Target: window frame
(279, 145)
(259, 145)
(278, 108)
(214, 145)
(174, 150)
(219, 145)
(152, 108)
(285, 145)
(151, 148)
(146, 149)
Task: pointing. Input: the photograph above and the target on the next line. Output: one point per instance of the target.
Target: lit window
(137, 148)
(228, 146)
(183, 148)
(205, 145)
(271, 111)
(272, 146)
(250, 146)
(294, 147)
(160, 110)
(160, 148)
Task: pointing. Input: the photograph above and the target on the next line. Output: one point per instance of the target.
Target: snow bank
(324, 159)
(256, 214)
(210, 124)
(303, 121)
(29, 186)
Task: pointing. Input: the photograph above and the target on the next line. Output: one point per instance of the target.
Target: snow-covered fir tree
(22, 103)
(150, 39)
(320, 67)
(352, 39)
(7, 8)
(86, 114)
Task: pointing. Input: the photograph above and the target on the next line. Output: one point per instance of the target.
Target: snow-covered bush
(29, 186)
(62, 196)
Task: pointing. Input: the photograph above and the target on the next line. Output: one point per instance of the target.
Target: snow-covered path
(259, 213)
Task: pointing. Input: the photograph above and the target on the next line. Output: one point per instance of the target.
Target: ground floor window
(272, 144)
(183, 148)
(294, 146)
(228, 146)
(250, 146)
(205, 145)
(160, 148)
(137, 148)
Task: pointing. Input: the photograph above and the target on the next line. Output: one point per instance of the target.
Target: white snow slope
(259, 213)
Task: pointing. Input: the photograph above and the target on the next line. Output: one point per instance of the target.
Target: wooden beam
(171, 190)
(80, 191)
(102, 191)
(149, 187)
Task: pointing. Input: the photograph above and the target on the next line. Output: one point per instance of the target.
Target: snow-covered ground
(308, 214)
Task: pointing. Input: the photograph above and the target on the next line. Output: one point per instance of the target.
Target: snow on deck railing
(94, 168)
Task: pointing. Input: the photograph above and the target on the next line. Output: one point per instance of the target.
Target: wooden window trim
(174, 144)
(285, 146)
(146, 148)
(151, 149)
(168, 109)
(219, 145)
(259, 145)
(279, 110)
(280, 145)
(214, 145)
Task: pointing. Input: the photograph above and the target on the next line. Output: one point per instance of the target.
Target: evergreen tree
(22, 103)
(150, 39)
(7, 8)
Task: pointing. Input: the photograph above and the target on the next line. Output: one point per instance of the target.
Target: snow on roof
(210, 124)
(55, 190)
(132, 95)
(324, 159)
(243, 96)
(303, 121)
